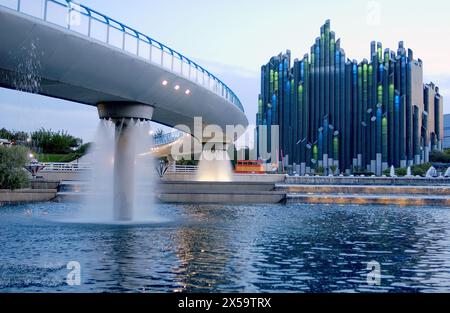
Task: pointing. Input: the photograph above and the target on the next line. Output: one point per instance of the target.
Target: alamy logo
(374, 275)
(74, 275)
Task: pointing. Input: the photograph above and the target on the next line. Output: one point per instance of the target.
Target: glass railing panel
(131, 44)
(115, 37)
(185, 71)
(79, 23)
(167, 60)
(99, 30)
(57, 14)
(192, 72)
(33, 7)
(176, 65)
(144, 50)
(156, 55)
(11, 4)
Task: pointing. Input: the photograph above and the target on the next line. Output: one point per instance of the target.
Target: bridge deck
(73, 66)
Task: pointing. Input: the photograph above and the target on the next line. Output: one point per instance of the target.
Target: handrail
(212, 82)
(192, 169)
(163, 139)
(82, 167)
(65, 167)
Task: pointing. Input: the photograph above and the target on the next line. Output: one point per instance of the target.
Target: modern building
(346, 115)
(446, 142)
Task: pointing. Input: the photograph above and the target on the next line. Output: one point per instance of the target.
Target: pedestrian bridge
(62, 49)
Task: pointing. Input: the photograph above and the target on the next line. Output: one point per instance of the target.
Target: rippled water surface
(205, 248)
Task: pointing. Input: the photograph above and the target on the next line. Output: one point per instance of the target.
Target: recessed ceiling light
(177, 87)
(164, 82)
(187, 91)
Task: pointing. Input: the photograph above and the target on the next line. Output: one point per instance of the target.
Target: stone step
(364, 199)
(355, 189)
(236, 197)
(371, 181)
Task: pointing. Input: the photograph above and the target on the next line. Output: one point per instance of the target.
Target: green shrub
(320, 171)
(192, 161)
(333, 169)
(12, 172)
(420, 170)
(440, 156)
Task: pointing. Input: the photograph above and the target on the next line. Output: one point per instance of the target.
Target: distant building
(5, 142)
(355, 116)
(446, 143)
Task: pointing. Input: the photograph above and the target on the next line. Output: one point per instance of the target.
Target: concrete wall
(61, 175)
(365, 190)
(224, 187)
(69, 175)
(223, 198)
(366, 181)
(218, 192)
(44, 184)
(236, 178)
(26, 195)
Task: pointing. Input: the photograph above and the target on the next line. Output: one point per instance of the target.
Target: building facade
(346, 115)
(446, 142)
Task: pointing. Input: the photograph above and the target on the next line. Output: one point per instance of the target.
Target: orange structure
(250, 167)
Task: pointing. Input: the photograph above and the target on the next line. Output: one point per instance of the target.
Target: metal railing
(79, 167)
(164, 139)
(185, 169)
(65, 167)
(86, 21)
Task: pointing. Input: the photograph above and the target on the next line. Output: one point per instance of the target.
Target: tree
(5, 134)
(13, 135)
(55, 142)
(12, 172)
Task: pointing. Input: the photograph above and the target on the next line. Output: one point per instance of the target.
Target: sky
(233, 38)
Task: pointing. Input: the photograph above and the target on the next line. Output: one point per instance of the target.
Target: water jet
(125, 117)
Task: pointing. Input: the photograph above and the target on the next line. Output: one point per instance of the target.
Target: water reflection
(295, 248)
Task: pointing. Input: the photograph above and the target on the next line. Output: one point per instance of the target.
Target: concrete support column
(124, 158)
(303, 169)
(378, 166)
(124, 115)
(403, 163)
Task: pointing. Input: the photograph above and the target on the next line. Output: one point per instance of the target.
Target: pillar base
(119, 110)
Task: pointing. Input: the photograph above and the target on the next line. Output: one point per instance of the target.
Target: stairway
(367, 194)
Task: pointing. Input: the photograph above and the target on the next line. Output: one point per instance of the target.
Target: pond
(227, 248)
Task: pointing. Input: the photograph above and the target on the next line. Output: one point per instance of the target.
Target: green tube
(384, 133)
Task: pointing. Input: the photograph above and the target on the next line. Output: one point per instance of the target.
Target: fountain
(124, 161)
(26, 76)
(447, 173)
(120, 165)
(431, 173)
(392, 173)
(214, 166)
(409, 172)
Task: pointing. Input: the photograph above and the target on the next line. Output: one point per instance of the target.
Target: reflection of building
(446, 143)
(333, 111)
